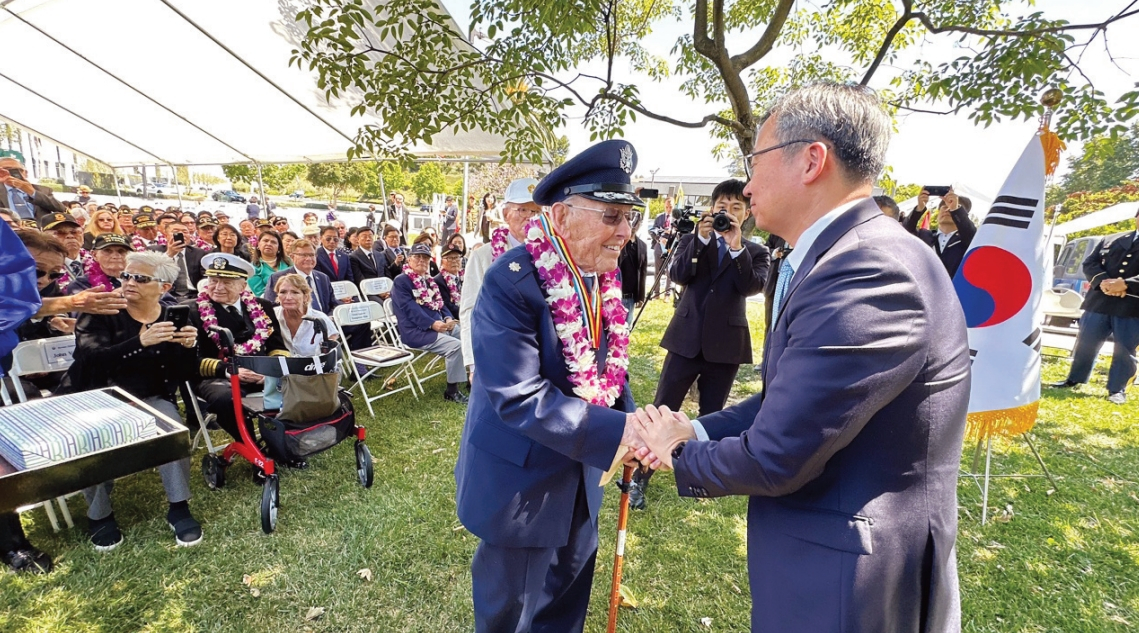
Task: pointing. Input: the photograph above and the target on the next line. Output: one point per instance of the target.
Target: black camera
(721, 222)
(684, 219)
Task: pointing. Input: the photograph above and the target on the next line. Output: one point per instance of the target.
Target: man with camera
(709, 336)
(187, 257)
(955, 230)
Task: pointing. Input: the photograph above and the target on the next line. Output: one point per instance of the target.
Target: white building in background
(42, 157)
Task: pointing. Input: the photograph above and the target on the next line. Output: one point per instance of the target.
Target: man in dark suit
(303, 254)
(660, 232)
(633, 264)
(399, 216)
(954, 232)
(330, 260)
(187, 257)
(709, 336)
(394, 255)
(28, 201)
(533, 452)
(850, 455)
(450, 219)
(363, 259)
(1111, 308)
(228, 274)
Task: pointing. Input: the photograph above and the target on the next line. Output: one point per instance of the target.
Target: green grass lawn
(1066, 561)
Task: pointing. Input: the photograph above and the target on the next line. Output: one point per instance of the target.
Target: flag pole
(619, 554)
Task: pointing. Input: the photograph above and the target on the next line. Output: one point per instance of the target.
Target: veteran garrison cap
(53, 220)
(143, 220)
(108, 240)
(226, 265)
(601, 172)
(420, 249)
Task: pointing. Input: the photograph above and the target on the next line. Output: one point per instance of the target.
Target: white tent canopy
(183, 82)
(1110, 215)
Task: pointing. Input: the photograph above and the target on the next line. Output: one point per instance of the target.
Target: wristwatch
(677, 451)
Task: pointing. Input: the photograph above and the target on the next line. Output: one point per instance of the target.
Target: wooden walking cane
(619, 555)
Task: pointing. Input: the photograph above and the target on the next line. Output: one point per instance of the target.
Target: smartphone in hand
(178, 315)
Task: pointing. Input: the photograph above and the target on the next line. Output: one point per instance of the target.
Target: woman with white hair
(141, 352)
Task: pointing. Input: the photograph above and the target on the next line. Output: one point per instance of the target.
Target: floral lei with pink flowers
(580, 316)
(498, 242)
(160, 239)
(424, 289)
(263, 326)
(454, 285)
(99, 279)
(137, 243)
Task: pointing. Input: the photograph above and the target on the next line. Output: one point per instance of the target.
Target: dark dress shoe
(28, 560)
(1067, 384)
(456, 397)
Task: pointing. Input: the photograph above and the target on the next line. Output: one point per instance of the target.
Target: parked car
(160, 189)
(1068, 271)
(228, 195)
(297, 195)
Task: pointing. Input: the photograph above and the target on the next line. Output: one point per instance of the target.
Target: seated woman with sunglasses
(139, 352)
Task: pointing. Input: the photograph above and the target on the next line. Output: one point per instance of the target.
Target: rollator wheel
(270, 501)
(214, 471)
(365, 469)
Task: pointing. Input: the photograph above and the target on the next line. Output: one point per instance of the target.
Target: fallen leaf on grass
(365, 573)
(247, 580)
(437, 451)
(706, 622)
(628, 600)
(255, 592)
(314, 613)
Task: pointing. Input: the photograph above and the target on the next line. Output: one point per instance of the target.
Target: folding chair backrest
(1069, 299)
(344, 289)
(357, 313)
(375, 286)
(43, 355)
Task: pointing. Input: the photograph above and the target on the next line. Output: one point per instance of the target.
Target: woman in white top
(294, 299)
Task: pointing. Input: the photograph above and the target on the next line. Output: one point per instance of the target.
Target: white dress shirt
(480, 260)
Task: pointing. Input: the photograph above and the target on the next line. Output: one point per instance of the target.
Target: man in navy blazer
(303, 254)
(330, 260)
(532, 452)
(850, 455)
(424, 327)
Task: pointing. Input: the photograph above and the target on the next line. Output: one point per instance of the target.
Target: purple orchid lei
(577, 348)
(263, 326)
(424, 289)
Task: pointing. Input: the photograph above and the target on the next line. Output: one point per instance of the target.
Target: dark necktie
(315, 295)
(723, 247)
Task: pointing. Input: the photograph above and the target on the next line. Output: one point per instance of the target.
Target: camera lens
(721, 223)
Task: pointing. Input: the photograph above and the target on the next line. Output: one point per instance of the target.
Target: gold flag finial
(1053, 146)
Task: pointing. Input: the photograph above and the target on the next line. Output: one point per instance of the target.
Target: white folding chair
(372, 289)
(433, 359)
(202, 283)
(376, 357)
(41, 356)
(194, 403)
(344, 289)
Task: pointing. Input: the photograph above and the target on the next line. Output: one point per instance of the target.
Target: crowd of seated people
(107, 274)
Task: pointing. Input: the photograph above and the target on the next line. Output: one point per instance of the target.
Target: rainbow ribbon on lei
(590, 300)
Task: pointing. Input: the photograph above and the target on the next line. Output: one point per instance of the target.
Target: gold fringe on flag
(1052, 148)
(983, 424)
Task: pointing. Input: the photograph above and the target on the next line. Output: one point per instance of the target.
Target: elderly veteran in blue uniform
(549, 415)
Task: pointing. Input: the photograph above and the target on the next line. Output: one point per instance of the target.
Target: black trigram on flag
(1033, 340)
(972, 356)
(1011, 211)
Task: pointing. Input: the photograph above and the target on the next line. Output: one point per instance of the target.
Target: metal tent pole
(118, 192)
(177, 187)
(466, 195)
(261, 185)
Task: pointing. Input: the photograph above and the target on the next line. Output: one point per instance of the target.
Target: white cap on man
(521, 191)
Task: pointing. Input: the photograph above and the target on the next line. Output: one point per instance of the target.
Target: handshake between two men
(652, 434)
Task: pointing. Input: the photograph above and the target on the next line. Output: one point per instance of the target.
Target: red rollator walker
(282, 439)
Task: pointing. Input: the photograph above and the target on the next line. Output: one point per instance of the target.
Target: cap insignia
(627, 159)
